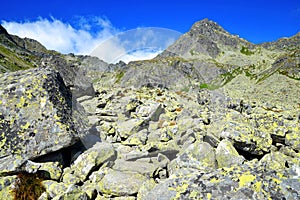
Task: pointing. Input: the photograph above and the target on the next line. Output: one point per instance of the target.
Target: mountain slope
(209, 56)
(17, 53)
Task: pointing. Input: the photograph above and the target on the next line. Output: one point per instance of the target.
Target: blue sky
(257, 21)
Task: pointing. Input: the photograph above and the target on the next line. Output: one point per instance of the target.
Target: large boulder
(36, 116)
(74, 77)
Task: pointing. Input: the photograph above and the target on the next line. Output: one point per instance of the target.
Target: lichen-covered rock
(279, 162)
(73, 76)
(227, 155)
(90, 160)
(36, 116)
(6, 187)
(150, 110)
(54, 188)
(145, 188)
(127, 128)
(245, 136)
(141, 167)
(80, 195)
(138, 138)
(240, 182)
(293, 139)
(199, 155)
(118, 183)
(62, 191)
(49, 170)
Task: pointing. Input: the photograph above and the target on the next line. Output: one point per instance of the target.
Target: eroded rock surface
(36, 116)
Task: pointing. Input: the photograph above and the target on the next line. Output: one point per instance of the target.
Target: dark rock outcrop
(73, 76)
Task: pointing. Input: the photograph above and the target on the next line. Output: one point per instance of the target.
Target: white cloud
(60, 36)
(139, 55)
(95, 36)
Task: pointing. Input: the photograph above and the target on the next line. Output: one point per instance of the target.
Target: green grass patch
(12, 62)
(119, 76)
(246, 51)
(208, 86)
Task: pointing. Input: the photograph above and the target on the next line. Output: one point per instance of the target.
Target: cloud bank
(63, 37)
(89, 35)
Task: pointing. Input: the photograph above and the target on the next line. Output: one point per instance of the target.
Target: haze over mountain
(213, 116)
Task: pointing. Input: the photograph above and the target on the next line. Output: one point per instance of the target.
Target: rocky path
(152, 143)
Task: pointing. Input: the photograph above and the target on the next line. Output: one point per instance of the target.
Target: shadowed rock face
(35, 114)
(2, 30)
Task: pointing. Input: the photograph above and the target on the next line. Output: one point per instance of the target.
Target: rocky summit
(212, 117)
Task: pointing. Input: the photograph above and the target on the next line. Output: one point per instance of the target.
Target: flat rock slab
(121, 183)
(36, 116)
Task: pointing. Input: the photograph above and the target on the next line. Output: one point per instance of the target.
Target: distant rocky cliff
(212, 117)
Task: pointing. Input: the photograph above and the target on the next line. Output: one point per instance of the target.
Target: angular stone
(144, 168)
(92, 158)
(73, 76)
(198, 155)
(78, 195)
(245, 136)
(145, 189)
(36, 115)
(54, 188)
(50, 170)
(90, 189)
(278, 161)
(293, 139)
(227, 155)
(151, 111)
(138, 138)
(127, 128)
(161, 191)
(121, 183)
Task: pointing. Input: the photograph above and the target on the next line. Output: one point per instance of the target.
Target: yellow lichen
(21, 103)
(257, 186)
(194, 194)
(214, 180)
(3, 142)
(245, 179)
(277, 180)
(179, 189)
(26, 126)
(208, 195)
(56, 117)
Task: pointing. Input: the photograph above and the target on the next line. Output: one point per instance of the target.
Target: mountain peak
(206, 27)
(208, 38)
